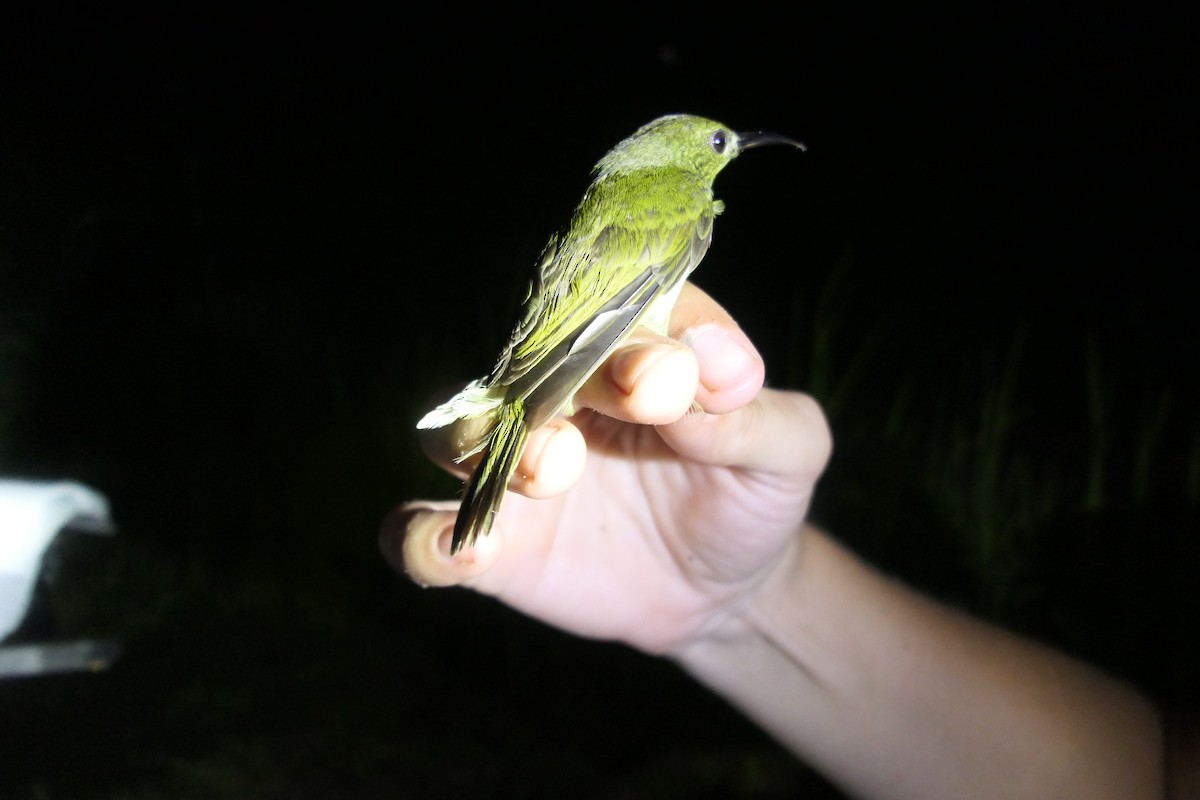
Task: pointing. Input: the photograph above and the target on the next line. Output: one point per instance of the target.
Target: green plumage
(643, 225)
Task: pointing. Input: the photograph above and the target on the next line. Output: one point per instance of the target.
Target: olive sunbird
(643, 225)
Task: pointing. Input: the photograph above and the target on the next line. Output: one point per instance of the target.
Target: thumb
(415, 539)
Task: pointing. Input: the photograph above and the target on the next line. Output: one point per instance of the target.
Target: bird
(644, 223)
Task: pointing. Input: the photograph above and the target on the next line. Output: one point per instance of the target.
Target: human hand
(636, 520)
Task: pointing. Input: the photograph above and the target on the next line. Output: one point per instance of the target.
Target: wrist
(791, 657)
(739, 627)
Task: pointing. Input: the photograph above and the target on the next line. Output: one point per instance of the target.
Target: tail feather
(485, 488)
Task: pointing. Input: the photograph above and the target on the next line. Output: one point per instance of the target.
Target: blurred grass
(1049, 488)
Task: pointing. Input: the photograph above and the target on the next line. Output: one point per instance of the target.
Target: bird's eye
(718, 142)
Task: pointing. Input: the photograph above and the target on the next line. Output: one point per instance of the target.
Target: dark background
(239, 252)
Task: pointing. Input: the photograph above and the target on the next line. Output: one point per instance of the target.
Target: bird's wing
(605, 279)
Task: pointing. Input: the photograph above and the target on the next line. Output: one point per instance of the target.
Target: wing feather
(608, 273)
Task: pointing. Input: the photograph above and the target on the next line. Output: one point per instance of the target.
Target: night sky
(238, 253)
(1034, 163)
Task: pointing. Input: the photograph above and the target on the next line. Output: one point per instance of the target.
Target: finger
(779, 432)
(731, 369)
(550, 463)
(650, 380)
(415, 540)
(445, 445)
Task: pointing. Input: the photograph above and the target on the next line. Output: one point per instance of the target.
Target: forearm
(893, 696)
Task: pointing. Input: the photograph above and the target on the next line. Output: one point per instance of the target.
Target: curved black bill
(757, 138)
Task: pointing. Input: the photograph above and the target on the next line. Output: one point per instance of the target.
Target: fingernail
(398, 526)
(629, 364)
(723, 360)
(445, 539)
